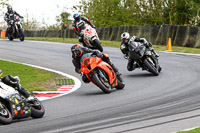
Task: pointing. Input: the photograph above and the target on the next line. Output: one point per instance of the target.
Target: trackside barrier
(187, 36)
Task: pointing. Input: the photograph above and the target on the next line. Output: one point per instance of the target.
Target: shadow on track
(139, 75)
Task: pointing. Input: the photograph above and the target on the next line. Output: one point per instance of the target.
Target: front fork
(1, 106)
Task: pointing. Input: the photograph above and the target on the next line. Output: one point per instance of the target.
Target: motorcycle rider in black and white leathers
(78, 18)
(78, 51)
(9, 16)
(126, 40)
(14, 82)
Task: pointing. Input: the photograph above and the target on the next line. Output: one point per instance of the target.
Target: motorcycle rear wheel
(37, 111)
(105, 88)
(151, 68)
(5, 115)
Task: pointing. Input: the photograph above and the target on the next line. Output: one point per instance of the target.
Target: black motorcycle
(144, 58)
(16, 30)
(15, 106)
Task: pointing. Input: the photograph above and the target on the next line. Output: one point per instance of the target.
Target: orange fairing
(108, 69)
(91, 63)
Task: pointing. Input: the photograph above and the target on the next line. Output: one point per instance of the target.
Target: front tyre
(5, 115)
(102, 82)
(159, 69)
(37, 110)
(21, 34)
(97, 45)
(120, 83)
(151, 67)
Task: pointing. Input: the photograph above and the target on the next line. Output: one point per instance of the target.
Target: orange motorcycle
(100, 73)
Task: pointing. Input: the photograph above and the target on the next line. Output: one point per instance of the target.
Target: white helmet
(125, 37)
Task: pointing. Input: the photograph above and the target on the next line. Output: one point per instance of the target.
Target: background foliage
(107, 13)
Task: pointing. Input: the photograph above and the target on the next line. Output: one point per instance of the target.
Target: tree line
(107, 13)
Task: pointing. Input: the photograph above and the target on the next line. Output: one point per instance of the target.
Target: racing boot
(25, 93)
(115, 69)
(135, 65)
(131, 65)
(150, 46)
(107, 59)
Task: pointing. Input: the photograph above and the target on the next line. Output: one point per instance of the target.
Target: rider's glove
(80, 34)
(21, 17)
(94, 27)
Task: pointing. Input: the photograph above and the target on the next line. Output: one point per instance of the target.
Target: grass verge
(117, 44)
(196, 130)
(33, 79)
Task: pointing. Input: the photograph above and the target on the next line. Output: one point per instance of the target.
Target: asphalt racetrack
(148, 104)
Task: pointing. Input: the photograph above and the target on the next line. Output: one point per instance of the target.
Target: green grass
(117, 44)
(31, 78)
(196, 130)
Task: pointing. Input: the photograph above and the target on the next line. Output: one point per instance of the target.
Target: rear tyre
(5, 115)
(120, 83)
(151, 67)
(37, 110)
(101, 83)
(97, 45)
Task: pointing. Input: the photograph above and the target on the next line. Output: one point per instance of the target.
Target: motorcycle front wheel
(102, 81)
(151, 67)
(21, 35)
(5, 115)
(37, 110)
(120, 83)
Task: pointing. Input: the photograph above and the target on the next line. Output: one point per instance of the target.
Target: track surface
(167, 103)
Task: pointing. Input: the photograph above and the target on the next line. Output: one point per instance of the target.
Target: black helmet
(125, 37)
(76, 16)
(77, 50)
(9, 7)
